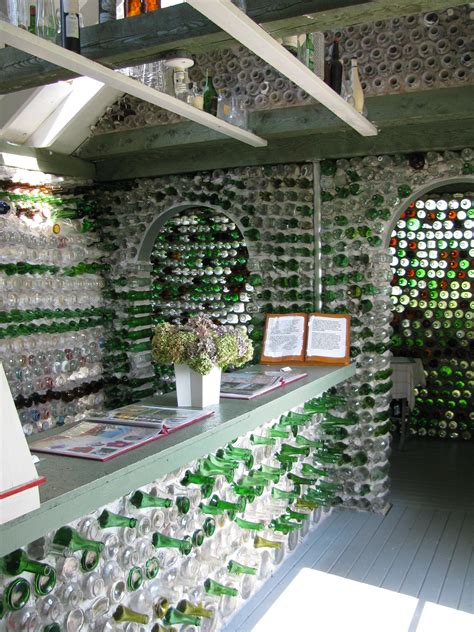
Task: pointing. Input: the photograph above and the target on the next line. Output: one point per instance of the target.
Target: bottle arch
(431, 306)
(149, 238)
(429, 187)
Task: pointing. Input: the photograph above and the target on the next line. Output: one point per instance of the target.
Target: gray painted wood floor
(423, 547)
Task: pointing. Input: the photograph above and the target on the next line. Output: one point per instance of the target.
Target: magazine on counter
(117, 431)
(149, 416)
(248, 384)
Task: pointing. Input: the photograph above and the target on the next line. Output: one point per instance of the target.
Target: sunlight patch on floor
(328, 603)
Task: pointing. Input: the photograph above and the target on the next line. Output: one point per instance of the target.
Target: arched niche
(149, 238)
(419, 192)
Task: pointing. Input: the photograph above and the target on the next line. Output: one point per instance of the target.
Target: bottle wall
(274, 208)
(359, 203)
(53, 319)
(411, 53)
(210, 533)
(432, 250)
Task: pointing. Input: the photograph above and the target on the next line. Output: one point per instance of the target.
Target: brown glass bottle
(152, 5)
(134, 7)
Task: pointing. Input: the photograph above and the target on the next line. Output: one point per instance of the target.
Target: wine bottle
(210, 96)
(123, 614)
(174, 616)
(107, 519)
(163, 541)
(215, 588)
(186, 607)
(70, 28)
(335, 68)
(18, 562)
(356, 87)
(141, 500)
(239, 569)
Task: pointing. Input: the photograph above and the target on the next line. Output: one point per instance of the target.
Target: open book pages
(248, 384)
(306, 339)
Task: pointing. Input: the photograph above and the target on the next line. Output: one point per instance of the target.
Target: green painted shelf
(76, 487)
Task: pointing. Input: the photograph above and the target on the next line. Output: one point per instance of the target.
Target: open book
(306, 339)
(118, 431)
(248, 384)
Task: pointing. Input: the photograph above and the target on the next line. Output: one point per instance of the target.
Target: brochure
(149, 416)
(306, 339)
(109, 434)
(248, 384)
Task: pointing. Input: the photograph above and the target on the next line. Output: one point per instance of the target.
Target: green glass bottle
(123, 614)
(308, 443)
(211, 510)
(175, 617)
(107, 520)
(259, 440)
(292, 450)
(238, 507)
(214, 588)
(209, 96)
(186, 607)
(183, 504)
(67, 539)
(239, 569)
(16, 594)
(310, 470)
(18, 562)
(281, 494)
(209, 527)
(163, 541)
(278, 432)
(247, 524)
(141, 500)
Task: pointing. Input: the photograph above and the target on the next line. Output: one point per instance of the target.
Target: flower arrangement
(201, 344)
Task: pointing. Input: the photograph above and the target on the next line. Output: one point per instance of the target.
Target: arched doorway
(431, 246)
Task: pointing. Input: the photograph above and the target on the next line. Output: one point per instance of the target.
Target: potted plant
(199, 350)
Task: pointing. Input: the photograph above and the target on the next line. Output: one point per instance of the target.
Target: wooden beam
(451, 134)
(44, 160)
(20, 38)
(430, 107)
(143, 38)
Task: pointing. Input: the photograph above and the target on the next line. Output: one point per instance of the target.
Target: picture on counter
(103, 439)
(149, 416)
(97, 441)
(306, 339)
(248, 384)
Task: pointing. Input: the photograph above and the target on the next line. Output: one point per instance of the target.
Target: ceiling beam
(44, 160)
(431, 108)
(142, 38)
(14, 36)
(449, 135)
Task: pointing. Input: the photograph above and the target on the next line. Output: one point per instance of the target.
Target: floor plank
(423, 547)
(458, 568)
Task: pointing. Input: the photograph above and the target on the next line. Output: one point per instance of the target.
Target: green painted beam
(143, 38)
(428, 107)
(76, 487)
(19, 156)
(450, 135)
